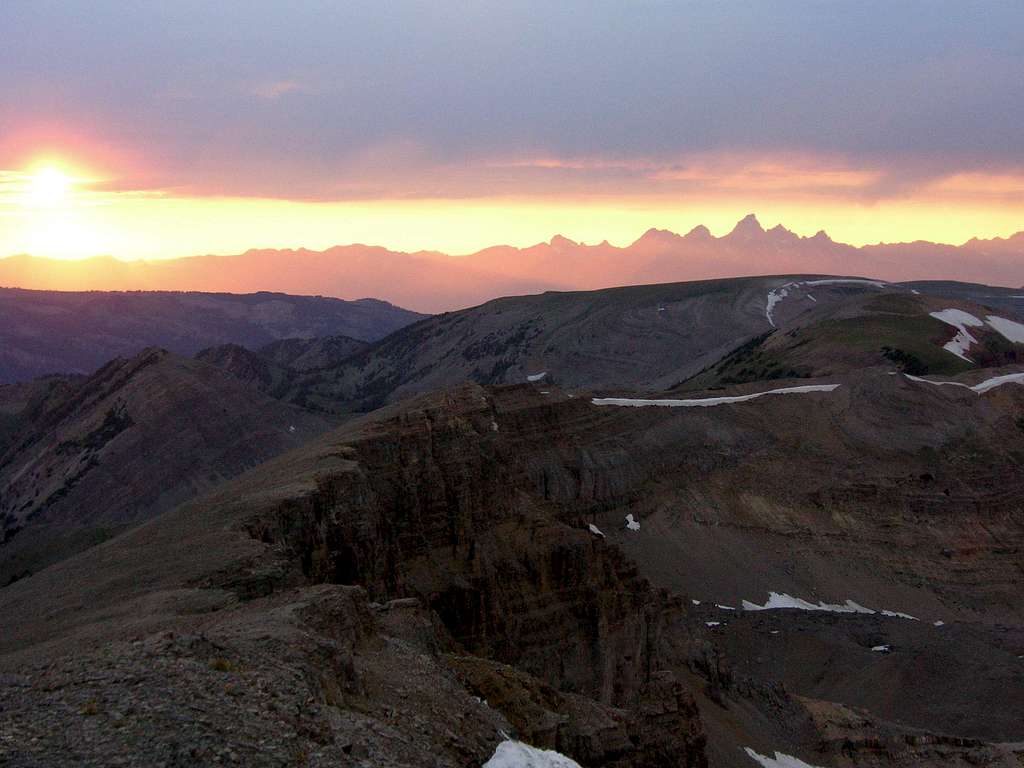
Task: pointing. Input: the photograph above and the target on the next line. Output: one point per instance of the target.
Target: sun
(49, 186)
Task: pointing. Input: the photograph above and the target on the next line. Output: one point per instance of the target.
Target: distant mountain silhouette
(428, 281)
(44, 332)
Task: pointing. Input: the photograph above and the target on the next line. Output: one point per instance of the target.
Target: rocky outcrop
(663, 729)
(851, 737)
(313, 678)
(439, 508)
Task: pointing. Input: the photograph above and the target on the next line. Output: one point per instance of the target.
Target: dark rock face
(439, 511)
(663, 729)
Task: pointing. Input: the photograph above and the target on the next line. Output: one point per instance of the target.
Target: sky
(150, 129)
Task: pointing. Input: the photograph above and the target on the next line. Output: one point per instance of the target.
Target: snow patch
(725, 607)
(998, 381)
(779, 761)
(881, 648)
(695, 602)
(961, 343)
(705, 402)
(985, 386)
(939, 623)
(775, 295)
(1011, 330)
(595, 530)
(777, 600)
(713, 623)
(536, 376)
(957, 317)
(898, 615)
(517, 754)
(812, 298)
(494, 426)
(632, 524)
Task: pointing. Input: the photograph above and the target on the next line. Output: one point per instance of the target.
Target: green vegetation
(996, 350)
(896, 331)
(912, 340)
(751, 361)
(907, 362)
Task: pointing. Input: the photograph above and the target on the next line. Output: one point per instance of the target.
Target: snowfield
(631, 523)
(595, 530)
(536, 376)
(960, 345)
(705, 402)
(779, 761)
(777, 600)
(516, 754)
(1011, 330)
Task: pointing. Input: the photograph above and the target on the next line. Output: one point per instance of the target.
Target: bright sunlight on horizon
(51, 212)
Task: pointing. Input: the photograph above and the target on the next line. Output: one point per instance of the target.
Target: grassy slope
(890, 330)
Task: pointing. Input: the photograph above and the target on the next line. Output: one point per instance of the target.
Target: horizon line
(549, 242)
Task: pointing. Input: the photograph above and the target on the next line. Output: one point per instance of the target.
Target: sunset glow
(50, 212)
(205, 149)
(49, 186)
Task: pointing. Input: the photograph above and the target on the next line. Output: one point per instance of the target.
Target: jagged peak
(748, 226)
(822, 236)
(560, 241)
(700, 232)
(779, 232)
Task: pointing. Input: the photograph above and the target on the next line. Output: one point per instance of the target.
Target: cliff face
(443, 509)
(451, 536)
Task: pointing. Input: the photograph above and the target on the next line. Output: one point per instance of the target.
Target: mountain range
(428, 281)
(766, 520)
